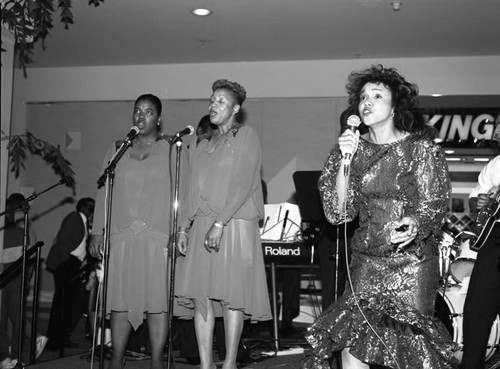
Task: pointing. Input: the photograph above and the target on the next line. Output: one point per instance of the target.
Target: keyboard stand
(275, 306)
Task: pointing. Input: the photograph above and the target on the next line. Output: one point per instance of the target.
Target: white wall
(6, 98)
(447, 76)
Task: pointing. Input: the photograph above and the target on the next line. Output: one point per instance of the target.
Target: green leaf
(19, 145)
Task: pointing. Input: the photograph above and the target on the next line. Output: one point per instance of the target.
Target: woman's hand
(95, 245)
(212, 239)
(182, 242)
(348, 142)
(405, 232)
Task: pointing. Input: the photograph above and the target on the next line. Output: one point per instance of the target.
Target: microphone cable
(349, 279)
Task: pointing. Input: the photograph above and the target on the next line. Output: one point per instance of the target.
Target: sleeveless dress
(224, 185)
(394, 291)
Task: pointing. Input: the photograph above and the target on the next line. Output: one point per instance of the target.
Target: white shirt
(488, 178)
(81, 251)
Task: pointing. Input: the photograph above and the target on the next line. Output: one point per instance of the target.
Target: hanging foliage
(20, 145)
(31, 21)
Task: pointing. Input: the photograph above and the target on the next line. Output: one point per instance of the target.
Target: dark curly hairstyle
(151, 98)
(407, 115)
(237, 90)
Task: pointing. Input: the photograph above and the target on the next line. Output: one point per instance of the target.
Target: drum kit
(455, 267)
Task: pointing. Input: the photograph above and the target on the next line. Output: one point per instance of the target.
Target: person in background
(11, 288)
(223, 272)
(398, 184)
(66, 261)
(482, 303)
(139, 234)
(5, 360)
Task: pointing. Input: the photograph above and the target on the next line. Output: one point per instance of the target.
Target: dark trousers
(332, 261)
(4, 344)
(66, 307)
(289, 279)
(482, 303)
(11, 302)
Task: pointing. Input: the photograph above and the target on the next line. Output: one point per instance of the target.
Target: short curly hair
(237, 90)
(407, 115)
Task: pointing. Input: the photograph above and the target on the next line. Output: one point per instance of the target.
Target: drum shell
(449, 309)
(463, 262)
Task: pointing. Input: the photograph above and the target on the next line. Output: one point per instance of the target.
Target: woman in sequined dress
(398, 178)
(223, 271)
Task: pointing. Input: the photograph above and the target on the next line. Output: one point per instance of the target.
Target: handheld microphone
(189, 130)
(353, 122)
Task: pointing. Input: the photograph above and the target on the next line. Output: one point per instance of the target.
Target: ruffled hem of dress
(414, 340)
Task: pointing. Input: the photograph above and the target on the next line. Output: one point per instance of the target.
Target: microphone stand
(25, 207)
(172, 250)
(337, 249)
(107, 179)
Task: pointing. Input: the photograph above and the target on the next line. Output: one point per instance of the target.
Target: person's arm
(433, 186)
(241, 185)
(246, 167)
(337, 191)
(486, 185)
(96, 240)
(184, 206)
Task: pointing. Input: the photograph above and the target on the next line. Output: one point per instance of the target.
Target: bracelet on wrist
(218, 225)
(183, 232)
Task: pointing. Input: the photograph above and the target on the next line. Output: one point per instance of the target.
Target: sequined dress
(395, 291)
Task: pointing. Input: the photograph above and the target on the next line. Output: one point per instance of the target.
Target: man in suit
(65, 260)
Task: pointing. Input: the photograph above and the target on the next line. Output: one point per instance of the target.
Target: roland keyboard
(285, 252)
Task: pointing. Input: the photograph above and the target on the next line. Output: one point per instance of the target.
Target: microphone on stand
(134, 131)
(189, 130)
(353, 122)
(126, 143)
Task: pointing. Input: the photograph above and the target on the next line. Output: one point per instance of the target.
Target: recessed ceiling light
(201, 12)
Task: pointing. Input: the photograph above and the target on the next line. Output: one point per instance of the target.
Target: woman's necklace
(143, 143)
(217, 138)
(141, 150)
(214, 142)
